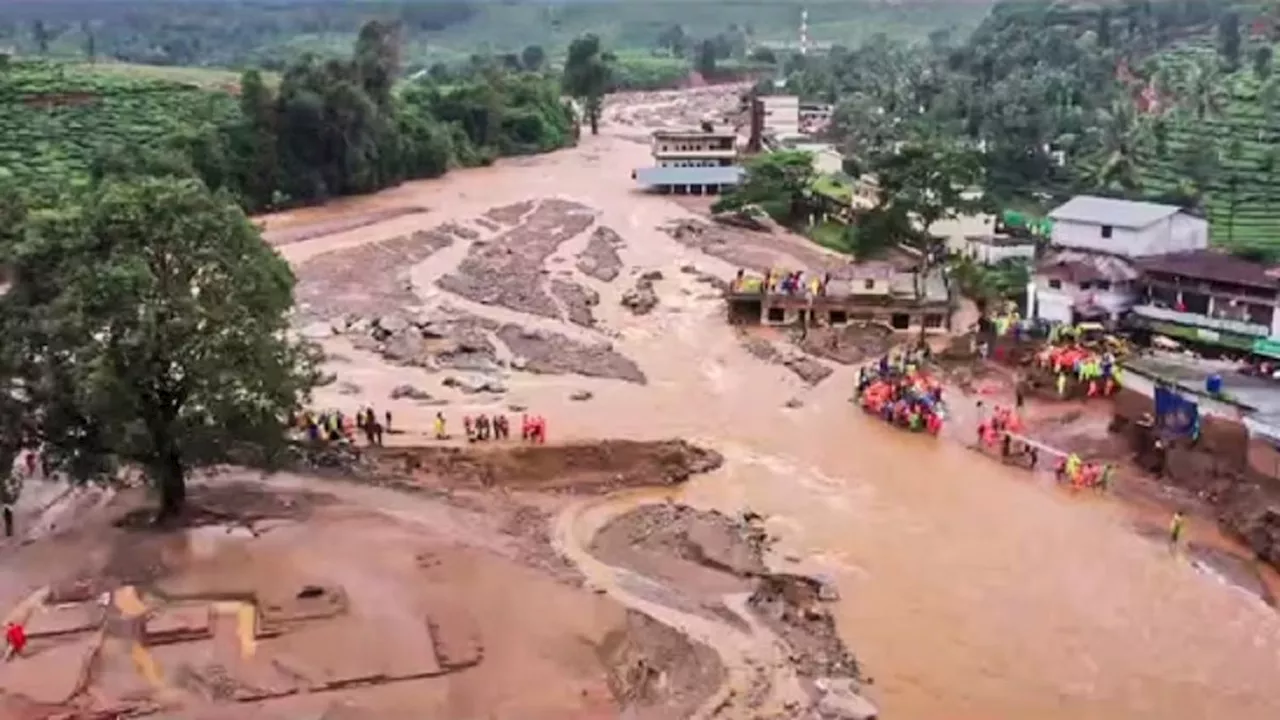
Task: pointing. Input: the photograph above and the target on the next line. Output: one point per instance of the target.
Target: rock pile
(642, 299)
(508, 270)
(600, 259)
(364, 280)
(577, 301)
(807, 369)
(556, 354)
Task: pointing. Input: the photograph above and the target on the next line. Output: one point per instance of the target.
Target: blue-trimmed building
(692, 162)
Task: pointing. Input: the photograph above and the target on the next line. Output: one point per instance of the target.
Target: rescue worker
(439, 426)
(1177, 525)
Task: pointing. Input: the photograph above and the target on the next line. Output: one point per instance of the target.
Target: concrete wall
(781, 114)
(989, 254)
(1178, 233)
(916, 318)
(1056, 305)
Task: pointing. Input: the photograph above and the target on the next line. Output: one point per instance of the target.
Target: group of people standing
(533, 428)
(900, 394)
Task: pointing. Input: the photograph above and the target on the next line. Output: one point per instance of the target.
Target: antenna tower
(804, 31)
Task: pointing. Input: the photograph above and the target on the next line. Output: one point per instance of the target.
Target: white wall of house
(990, 254)
(1056, 304)
(1179, 232)
(781, 114)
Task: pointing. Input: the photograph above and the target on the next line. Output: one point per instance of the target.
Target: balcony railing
(1240, 327)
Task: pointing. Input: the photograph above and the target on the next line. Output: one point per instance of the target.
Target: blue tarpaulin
(1176, 415)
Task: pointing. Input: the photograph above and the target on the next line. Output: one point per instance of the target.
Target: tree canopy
(146, 325)
(588, 71)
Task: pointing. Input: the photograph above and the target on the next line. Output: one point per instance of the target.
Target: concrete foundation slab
(56, 620)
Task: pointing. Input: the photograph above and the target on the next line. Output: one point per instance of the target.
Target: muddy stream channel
(967, 590)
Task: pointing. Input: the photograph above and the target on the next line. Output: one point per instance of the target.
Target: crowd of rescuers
(782, 282)
(336, 426)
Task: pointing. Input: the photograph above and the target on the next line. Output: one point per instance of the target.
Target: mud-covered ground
(706, 556)
(426, 577)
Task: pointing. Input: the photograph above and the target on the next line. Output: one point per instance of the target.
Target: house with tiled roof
(1211, 298)
(1088, 272)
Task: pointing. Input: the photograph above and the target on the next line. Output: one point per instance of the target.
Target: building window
(933, 321)
(838, 317)
(869, 284)
(900, 321)
(1106, 231)
(1261, 314)
(1195, 303)
(1103, 285)
(776, 315)
(1055, 284)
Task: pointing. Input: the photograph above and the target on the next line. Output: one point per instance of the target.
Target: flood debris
(806, 368)
(600, 259)
(508, 270)
(642, 298)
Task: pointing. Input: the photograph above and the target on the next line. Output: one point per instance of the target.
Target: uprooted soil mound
(656, 672)
(791, 606)
(580, 467)
(679, 545)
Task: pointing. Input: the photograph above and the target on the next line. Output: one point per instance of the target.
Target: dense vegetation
(271, 34)
(331, 127)
(1173, 101)
(145, 326)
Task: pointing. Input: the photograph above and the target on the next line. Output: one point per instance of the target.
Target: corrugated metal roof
(1110, 211)
(729, 175)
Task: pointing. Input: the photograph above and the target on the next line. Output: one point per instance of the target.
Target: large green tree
(146, 325)
(927, 179)
(779, 182)
(588, 71)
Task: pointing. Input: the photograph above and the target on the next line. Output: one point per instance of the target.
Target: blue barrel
(1213, 384)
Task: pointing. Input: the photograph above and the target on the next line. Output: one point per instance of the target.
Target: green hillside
(55, 118)
(1237, 141)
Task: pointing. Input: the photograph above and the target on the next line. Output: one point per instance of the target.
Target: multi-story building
(1212, 298)
(909, 301)
(694, 162)
(1089, 273)
(781, 115)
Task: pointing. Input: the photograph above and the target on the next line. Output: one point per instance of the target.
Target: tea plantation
(55, 117)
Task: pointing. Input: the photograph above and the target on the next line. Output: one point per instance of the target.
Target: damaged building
(905, 300)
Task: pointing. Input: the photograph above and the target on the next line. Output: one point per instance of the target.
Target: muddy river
(967, 589)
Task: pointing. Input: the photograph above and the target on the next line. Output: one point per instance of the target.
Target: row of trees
(339, 127)
(231, 33)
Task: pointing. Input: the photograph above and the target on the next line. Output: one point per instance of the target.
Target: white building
(695, 148)
(694, 162)
(994, 249)
(1089, 273)
(1127, 228)
(781, 115)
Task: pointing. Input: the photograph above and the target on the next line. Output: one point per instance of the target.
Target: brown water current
(968, 590)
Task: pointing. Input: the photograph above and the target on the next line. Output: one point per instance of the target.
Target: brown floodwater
(968, 589)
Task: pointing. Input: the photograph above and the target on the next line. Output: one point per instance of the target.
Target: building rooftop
(1000, 240)
(1214, 266)
(1110, 211)
(685, 133)
(1078, 267)
(1260, 394)
(728, 175)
